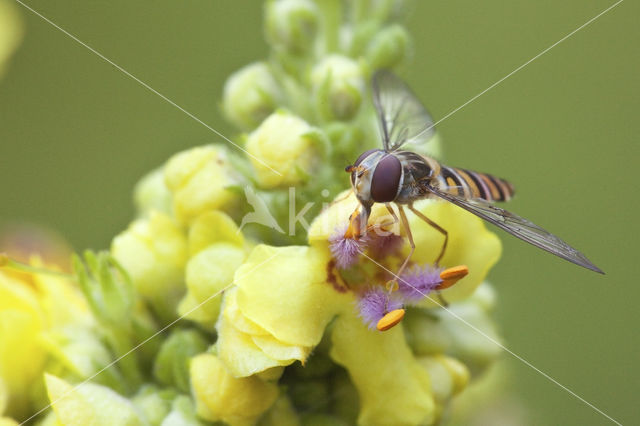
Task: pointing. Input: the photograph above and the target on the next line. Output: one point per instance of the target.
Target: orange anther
(390, 319)
(353, 231)
(450, 276)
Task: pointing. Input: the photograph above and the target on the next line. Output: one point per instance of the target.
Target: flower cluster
(211, 306)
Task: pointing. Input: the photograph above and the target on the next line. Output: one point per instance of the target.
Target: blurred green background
(76, 134)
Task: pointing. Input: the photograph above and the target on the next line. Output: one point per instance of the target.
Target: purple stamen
(374, 303)
(346, 251)
(418, 282)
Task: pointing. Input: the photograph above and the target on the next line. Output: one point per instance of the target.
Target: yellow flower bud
(250, 95)
(198, 179)
(208, 273)
(90, 404)
(339, 86)
(448, 376)
(282, 145)
(153, 250)
(221, 396)
(151, 193)
(210, 228)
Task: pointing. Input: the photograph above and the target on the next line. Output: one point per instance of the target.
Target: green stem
(332, 18)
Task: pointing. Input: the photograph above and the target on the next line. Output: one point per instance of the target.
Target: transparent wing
(403, 119)
(519, 227)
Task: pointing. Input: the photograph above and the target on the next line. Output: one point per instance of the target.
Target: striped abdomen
(470, 184)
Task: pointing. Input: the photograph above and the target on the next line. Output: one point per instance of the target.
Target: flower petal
(284, 290)
(394, 388)
(470, 243)
(237, 350)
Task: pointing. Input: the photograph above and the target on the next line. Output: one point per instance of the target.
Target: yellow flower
(470, 242)
(153, 250)
(274, 318)
(31, 307)
(10, 32)
(221, 396)
(198, 179)
(281, 144)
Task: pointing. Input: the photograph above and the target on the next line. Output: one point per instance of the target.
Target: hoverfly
(392, 175)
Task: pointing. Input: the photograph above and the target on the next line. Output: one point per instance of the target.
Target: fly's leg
(387, 223)
(437, 227)
(393, 284)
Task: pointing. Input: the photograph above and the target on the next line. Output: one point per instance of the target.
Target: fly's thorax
(419, 172)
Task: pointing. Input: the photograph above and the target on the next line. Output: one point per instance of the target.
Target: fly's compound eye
(353, 168)
(363, 156)
(386, 179)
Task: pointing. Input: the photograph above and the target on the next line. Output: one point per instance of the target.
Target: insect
(393, 175)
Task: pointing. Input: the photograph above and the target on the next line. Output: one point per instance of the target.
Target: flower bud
(153, 402)
(281, 151)
(282, 413)
(250, 95)
(198, 179)
(171, 367)
(153, 251)
(207, 274)
(291, 25)
(338, 85)
(221, 396)
(151, 193)
(388, 48)
(183, 413)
